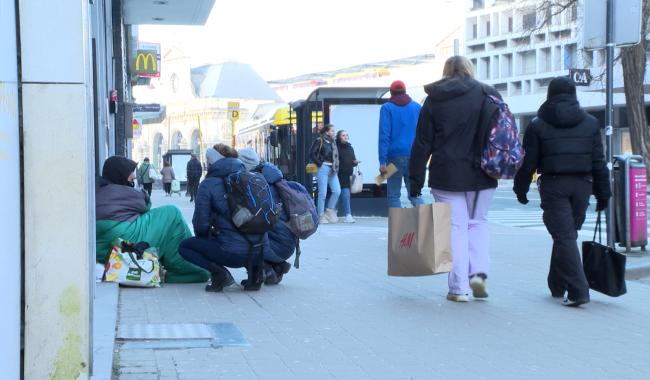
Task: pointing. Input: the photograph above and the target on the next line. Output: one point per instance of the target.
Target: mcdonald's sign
(146, 63)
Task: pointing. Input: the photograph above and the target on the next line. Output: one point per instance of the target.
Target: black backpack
(252, 207)
(253, 211)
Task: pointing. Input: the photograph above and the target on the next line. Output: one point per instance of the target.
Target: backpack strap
(296, 260)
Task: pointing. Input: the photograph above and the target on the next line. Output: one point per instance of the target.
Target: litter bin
(630, 186)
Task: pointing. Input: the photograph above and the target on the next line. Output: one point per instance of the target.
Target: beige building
(195, 105)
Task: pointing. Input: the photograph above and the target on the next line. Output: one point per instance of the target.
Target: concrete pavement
(340, 317)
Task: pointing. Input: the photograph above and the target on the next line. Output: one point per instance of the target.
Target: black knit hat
(561, 85)
(117, 170)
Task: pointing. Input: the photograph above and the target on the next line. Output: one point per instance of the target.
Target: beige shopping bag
(419, 240)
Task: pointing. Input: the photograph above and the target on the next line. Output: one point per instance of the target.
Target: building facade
(520, 46)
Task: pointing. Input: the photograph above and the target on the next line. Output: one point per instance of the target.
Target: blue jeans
(394, 183)
(202, 252)
(345, 199)
(327, 177)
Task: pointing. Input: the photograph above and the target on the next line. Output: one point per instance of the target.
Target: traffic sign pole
(609, 116)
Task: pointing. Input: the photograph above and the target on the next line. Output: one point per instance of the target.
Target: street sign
(581, 77)
(147, 60)
(151, 107)
(627, 23)
(137, 127)
(233, 111)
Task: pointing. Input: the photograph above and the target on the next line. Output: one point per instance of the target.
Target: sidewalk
(339, 316)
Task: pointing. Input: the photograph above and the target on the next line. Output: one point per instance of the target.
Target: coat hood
(449, 88)
(117, 170)
(225, 166)
(562, 111)
(271, 173)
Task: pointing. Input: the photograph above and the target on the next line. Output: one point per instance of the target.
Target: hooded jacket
(397, 125)
(447, 135)
(281, 240)
(212, 197)
(564, 140)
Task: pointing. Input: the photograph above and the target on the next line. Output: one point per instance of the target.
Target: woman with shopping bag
(347, 163)
(446, 131)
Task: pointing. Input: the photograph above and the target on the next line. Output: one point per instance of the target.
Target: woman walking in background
(347, 162)
(325, 155)
(446, 132)
(168, 176)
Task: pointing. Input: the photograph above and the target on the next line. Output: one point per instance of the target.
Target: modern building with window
(520, 46)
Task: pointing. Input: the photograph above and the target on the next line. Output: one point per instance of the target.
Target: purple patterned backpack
(502, 154)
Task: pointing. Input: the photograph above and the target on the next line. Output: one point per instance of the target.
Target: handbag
(419, 240)
(603, 266)
(153, 174)
(126, 268)
(312, 168)
(356, 182)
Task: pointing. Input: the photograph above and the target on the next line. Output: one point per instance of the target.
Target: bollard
(630, 186)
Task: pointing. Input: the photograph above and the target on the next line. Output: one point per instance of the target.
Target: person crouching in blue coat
(226, 246)
(281, 240)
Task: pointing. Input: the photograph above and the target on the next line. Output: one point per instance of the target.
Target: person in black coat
(564, 144)
(325, 155)
(347, 162)
(446, 134)
(194, 173)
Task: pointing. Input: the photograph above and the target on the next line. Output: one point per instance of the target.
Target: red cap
(397, 86)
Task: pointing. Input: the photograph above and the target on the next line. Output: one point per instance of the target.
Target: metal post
(233, 133)
(609, 115)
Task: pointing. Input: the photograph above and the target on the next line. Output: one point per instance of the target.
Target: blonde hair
(458, 66)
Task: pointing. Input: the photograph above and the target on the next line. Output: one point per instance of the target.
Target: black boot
(255, 279)
(275, 272)
(221, 278)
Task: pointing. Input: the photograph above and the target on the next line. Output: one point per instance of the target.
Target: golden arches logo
(143, 60)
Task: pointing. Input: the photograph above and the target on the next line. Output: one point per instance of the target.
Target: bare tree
(633, 62)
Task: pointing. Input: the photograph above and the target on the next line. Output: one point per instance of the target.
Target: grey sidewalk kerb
(104, 325)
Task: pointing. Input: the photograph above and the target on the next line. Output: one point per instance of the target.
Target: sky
(285, 38)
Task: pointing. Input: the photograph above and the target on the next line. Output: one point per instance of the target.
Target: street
(340, 317)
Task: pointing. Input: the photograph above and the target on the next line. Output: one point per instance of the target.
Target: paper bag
(390, 170)
(419, 240)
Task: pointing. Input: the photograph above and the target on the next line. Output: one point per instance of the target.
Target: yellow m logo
(145, 62)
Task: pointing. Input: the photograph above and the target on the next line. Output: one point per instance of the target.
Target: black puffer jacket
(564, 139)
(346, 163)
(446, 133)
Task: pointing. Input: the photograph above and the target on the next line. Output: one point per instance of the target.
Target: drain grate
(180, 335)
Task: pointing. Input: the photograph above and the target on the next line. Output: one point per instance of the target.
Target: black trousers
(192, 188)
(147, 187)
(565, 199)
(167, 187)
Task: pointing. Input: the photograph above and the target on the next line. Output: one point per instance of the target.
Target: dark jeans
(167, 187)
(565, 199)
(202, 252)
(147, 187)
(192, 188)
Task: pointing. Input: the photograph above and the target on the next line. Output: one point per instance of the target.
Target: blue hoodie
(210, 196)
(281, 239)
(397, 126)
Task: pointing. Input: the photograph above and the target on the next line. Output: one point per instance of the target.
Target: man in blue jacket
(398, 120)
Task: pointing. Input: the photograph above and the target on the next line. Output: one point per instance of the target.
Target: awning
(167, 12)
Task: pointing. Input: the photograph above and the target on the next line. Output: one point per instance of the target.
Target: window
(478, 4)
(510, 24)
(529, 20)
(570, 52)
(528, 63)
(488, 28)
(573, 12)
(474, 31)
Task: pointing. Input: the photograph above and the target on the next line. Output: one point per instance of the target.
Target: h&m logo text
(407, 240)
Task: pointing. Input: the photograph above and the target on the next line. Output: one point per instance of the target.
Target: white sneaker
(349, 219)
(457, 297)
(477, 283)
(323, 219)
(331, 215)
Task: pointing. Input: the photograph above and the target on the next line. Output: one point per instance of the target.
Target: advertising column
(10, 196)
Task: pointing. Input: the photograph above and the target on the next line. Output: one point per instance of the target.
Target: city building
(195, 103)
(66, 70)
(519, 46)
